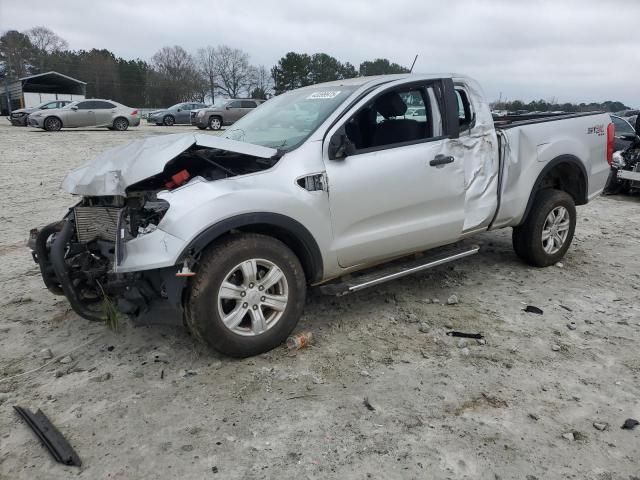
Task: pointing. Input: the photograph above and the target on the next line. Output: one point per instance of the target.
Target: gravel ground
(148, 402)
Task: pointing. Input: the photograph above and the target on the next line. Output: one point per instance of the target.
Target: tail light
(135, 112)
(611, 136)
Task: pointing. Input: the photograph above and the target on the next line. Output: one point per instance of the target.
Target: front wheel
(52, 124)
(215, 123)
(247, 296)
(168, 121)
(547, 232)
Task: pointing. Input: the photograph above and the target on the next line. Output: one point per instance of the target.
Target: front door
(234, 112)
(184, 113)
(83, 116)
(401, 190)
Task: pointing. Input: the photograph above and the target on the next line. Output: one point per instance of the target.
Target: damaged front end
(78, 256)
(110, 249)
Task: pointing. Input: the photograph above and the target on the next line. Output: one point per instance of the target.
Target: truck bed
(528, 144)
(511, 121)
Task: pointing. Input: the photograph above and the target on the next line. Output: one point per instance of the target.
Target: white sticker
(324, 95)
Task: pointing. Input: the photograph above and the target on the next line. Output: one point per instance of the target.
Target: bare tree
(261, 84)
(45, 42)
(207, 65)
(233, 72)
(179, 75)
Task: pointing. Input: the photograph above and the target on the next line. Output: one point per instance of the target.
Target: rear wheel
(215, 123)
(547, 232)
(52, 124)
(247, 295)
(168, 120)
(120, 124)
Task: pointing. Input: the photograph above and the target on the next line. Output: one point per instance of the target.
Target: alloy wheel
(253, 297)
(555, 230)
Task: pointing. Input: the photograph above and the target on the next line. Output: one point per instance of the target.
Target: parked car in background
(226, 113)
(86, 113)
(20, 117)
(625, 133)
(180, 113)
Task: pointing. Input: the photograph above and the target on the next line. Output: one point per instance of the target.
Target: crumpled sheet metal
(478, 150)
(111, 172)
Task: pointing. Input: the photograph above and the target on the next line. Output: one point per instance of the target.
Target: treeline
(172, 74)
(545, 106)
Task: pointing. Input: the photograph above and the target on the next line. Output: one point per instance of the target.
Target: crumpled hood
(111, 172)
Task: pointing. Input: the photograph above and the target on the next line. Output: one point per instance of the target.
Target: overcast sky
(573, 50)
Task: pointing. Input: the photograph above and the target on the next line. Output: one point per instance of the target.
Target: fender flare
(569, 159)
(308, 250)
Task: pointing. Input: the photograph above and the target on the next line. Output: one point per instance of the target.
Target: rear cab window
(466, 115)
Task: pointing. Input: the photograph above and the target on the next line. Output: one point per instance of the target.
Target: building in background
(33, 90)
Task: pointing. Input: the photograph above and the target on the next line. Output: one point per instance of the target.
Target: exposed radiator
(97, 223)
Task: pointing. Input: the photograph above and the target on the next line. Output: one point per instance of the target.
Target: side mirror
(340, 147)
(179, 110)
(74, 108)
(227, 107)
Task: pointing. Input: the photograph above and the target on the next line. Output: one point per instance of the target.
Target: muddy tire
(247, 295)
(52, 124)
(547, 232)
(120, 124)
(168, 120)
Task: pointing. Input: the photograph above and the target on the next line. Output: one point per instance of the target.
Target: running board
(399, 268)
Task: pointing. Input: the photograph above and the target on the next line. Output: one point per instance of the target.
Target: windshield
(289, 119)
(69, 105)
(175, 107)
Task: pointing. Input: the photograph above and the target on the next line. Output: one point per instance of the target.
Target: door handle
(441, 160)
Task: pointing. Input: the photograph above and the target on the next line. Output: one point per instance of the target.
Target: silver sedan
(86, 113)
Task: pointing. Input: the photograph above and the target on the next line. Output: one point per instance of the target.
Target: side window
(394, 117)
(466, 116)
(248, 104)
(85, 105)
(237, 104)
(103, 105)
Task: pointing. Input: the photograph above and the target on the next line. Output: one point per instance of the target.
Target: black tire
(202, 313)
(120, 124)
(215, 122)
(201, 128)
(52, 124)
(527, 238)
(168, 120)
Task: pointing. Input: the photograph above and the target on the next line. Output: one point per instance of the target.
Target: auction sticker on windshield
(323, 95)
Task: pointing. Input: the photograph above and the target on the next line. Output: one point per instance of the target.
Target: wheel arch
(289, 231)
(566, 173)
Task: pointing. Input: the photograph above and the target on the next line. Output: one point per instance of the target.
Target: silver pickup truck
(227, 232)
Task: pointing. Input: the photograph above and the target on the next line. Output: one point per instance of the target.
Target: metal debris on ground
(477, 336)
(630, 424)
(50, 437)
(532, 309)
(366, 403)
(299, 340)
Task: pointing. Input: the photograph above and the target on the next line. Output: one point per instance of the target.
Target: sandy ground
(521, 406)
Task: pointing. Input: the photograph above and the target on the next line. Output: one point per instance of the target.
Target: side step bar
(399, 268)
